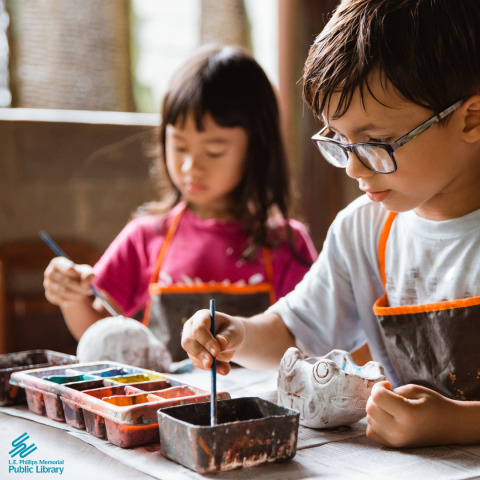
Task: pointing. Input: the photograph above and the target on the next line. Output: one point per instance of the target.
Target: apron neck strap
(268, 266)
(382, 246)
(166, 243)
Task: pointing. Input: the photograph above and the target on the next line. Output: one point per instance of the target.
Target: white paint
(328, 391)
(255, 279)
(186, 280)
(123, 340)
(165, 278)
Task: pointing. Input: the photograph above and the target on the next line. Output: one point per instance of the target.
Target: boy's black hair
(227, 83)
(429, 50)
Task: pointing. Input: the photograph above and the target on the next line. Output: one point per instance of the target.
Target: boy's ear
(471, 130)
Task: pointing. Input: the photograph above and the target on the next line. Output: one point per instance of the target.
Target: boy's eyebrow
(363, 128)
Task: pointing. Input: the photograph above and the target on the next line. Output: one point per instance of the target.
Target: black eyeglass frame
(389, 147)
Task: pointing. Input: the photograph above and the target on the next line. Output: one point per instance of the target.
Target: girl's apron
(169, 307)
(435, 345)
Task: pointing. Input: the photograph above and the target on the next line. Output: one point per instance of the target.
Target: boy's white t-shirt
(426, 262)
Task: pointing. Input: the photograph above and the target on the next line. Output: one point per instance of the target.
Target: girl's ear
(471, 129)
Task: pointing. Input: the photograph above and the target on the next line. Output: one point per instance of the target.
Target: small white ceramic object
(328, 391)
(123, 340)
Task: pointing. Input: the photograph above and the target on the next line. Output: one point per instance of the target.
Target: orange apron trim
(381, 305)
(155, 289)
(382, 246)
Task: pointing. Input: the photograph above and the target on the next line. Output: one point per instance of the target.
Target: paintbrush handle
(59, 252)
(213, 394)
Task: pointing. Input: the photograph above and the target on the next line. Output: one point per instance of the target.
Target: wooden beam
(321, 190)
(4, 337)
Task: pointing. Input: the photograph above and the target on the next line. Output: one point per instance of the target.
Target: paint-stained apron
(169, 307)
(436, 345)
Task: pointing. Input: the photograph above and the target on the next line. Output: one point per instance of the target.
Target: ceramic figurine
(123, 340)
(328, 391)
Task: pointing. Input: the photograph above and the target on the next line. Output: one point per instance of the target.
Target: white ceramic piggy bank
(328, 391)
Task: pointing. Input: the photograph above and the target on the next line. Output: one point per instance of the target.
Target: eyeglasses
(379, 157)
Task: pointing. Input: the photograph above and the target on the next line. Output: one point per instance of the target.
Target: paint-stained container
(127, 416)
(20, 361)
(250, 431)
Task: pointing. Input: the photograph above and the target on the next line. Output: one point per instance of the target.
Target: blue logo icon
(20, 447)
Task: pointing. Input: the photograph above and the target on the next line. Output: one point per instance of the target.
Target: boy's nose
(356, 169)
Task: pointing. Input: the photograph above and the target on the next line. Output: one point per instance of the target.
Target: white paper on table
(22, 411)
(311, 437)
(362, 459)
(149, 460)
(307, 437)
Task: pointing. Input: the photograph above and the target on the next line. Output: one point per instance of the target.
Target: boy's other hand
(65, 282)
(201, 346)
(410, 416)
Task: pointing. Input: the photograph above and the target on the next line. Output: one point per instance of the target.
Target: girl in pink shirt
(222, 229)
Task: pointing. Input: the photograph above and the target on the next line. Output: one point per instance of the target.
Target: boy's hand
(410, 416)
(66, 282)
(200, 344)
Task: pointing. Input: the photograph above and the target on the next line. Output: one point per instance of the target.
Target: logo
(21, 448)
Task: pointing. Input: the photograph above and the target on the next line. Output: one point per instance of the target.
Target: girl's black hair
(227, 83)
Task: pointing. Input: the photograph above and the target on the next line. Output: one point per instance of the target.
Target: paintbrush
(58, 251)
(213, 394)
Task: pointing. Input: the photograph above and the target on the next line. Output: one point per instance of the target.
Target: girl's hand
(411, 416)
(200, 344)
(66, 283)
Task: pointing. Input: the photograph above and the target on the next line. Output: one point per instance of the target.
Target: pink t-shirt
(201, 251)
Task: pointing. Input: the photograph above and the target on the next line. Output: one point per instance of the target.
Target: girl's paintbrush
(58, 251)
(213, 394)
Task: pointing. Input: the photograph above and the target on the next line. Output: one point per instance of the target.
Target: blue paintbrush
(58, 251)
(213, 394)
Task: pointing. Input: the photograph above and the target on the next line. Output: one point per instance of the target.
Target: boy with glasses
(397, 85)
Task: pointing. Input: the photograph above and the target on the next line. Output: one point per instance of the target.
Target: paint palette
(27, 360)
(110, 400)
(250, 431)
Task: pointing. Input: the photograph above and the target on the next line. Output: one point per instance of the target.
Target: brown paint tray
(250, 431)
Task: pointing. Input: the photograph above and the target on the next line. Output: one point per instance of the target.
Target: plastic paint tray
(250, 431)
(20, 361)
(43, 396)
(125, 413)
(140, 377)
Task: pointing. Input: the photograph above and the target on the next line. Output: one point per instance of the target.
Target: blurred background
(81, 83)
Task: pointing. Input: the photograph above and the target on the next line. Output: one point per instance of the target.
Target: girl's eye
(378, 140)
(215, 154)
(340, 138)
(180, 149)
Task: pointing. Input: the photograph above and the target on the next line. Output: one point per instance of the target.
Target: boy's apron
(435, 345)
(169, 307)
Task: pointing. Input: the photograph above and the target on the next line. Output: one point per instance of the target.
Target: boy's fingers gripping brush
(242, 432)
